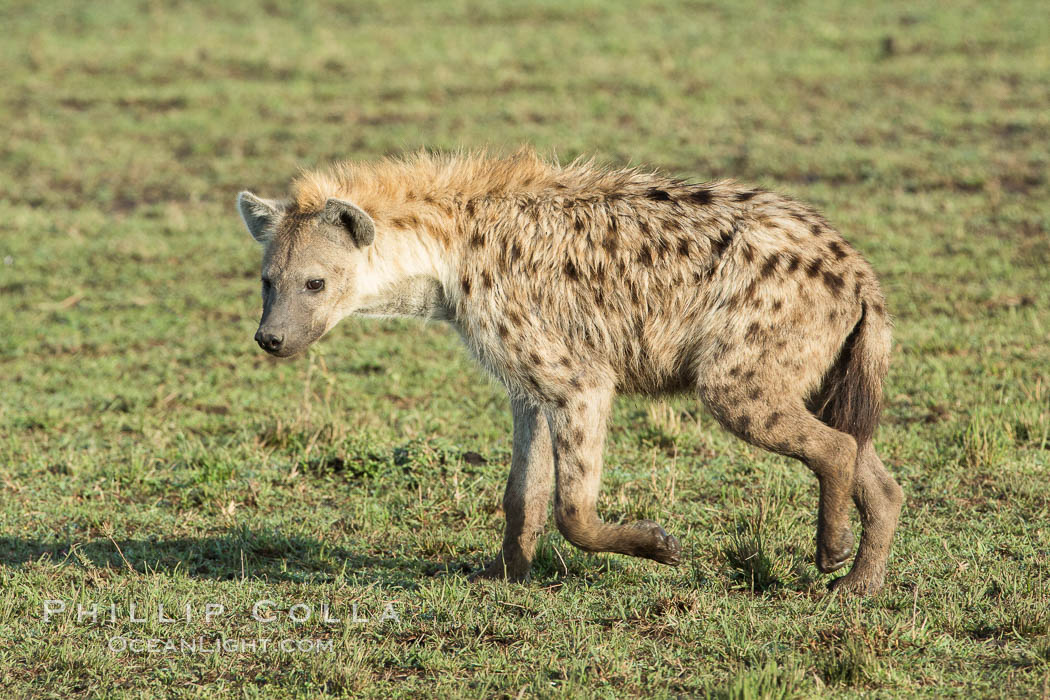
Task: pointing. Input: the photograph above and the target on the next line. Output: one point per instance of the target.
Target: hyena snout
(269, 342)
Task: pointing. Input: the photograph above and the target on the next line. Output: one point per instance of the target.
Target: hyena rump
(571, 284)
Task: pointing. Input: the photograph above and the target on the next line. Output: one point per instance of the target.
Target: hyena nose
(268, 341)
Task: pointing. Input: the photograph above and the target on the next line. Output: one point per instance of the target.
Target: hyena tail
(850, 399)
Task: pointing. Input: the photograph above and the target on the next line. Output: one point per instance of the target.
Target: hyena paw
(496, 570)
(662, 547)
(834, 551)
(857, 583)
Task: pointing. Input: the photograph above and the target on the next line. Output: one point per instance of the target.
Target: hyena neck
(420, 296)
(402, 276)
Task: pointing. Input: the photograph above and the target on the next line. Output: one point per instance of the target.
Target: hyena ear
(352, 219)
(259, 215)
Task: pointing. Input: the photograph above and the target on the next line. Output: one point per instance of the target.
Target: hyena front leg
(527, 497)
(578, 433)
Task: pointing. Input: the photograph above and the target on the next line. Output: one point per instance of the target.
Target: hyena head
(309, 269)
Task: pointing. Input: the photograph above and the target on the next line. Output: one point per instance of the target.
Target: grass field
(151, 454)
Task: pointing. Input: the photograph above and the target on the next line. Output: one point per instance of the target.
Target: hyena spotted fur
(570, 284)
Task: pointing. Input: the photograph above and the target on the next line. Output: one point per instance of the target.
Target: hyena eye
(315, 285)
(266, 284)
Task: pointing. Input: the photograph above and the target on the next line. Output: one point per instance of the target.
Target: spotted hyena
(570, 284)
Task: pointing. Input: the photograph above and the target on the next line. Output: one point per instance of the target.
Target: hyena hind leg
(878, 498)
(788, 428)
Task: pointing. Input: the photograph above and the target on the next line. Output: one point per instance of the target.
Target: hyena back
(572, 284)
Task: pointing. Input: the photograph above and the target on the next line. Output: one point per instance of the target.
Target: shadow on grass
(240, 553)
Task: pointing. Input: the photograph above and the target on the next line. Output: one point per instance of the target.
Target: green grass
(151, 454)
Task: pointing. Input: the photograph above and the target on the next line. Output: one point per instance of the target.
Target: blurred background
(130, 105)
